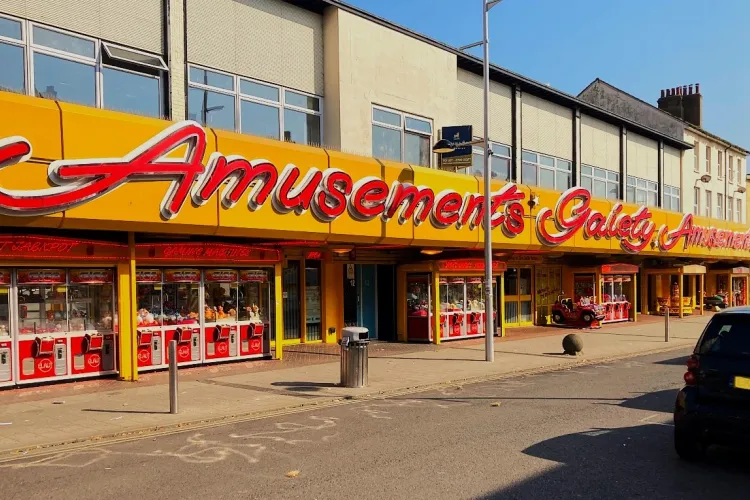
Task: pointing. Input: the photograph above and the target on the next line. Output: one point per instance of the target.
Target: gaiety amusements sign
(331, 192)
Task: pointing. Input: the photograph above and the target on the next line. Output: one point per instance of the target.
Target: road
(593, 432)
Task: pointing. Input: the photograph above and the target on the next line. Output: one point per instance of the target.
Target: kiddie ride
(585, 313)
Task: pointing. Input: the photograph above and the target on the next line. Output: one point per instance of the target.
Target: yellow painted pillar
(127, 322)
(500, 304)
(679, 287)
(701, 278)
(278, 298)
(332, 299)
(634, 306)
(435, 306)
(644, 293)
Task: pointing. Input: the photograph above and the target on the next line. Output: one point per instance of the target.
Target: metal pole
(666, 324)
(489, 309)
(173, 407)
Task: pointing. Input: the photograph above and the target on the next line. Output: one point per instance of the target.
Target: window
(74, 68)
(401, 137)
(720, 165)
(730, 208)
(600, 183)
(697, 201)
(738, 210)
(696, 156)
(708, 159)
(642, 192)
(719, 206)
(672, 198)
(231, 102)
(499, 162)
(546, 171)
(730, 170)
(740, 177)
(708, 204)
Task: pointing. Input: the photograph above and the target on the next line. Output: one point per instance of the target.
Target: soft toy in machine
(585, 313)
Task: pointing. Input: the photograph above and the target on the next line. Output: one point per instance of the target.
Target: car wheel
(587, 318)
(688, 446)
(558, 318)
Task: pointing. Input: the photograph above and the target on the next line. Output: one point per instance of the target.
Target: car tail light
(693, 363)
(690, 378)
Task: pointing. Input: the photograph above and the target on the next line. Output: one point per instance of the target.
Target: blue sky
(640, 46)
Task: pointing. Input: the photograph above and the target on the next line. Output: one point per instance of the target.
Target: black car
(714, 405)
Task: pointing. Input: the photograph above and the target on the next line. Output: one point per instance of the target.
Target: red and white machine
(7, 366)
(64, 323)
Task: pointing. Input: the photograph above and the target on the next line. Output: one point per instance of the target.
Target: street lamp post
(444, 146)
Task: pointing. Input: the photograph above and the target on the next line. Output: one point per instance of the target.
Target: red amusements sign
(49, 248)
(328, 194)
(91, 276)
(148, 275)
(41, 276)
(182, 275)
(253, 276)
(619, 269)
(221, 275)
(470, 265)
(205, 252)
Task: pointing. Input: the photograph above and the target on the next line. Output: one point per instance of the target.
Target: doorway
(517, 297)
(361, 297)
(291, 300)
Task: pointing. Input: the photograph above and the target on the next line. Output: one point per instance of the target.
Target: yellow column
(644, 293)
(332, 299)
(500, 304)
(700, 292)
(126, 306)
(435, 307)
(679, 286)
(634, 305)
(278, 269)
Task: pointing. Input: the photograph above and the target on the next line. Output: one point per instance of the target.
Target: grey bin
(354, 357)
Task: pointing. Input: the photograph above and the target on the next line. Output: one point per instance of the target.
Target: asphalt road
(595, 432)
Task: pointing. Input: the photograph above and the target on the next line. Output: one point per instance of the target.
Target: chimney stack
(683, 103)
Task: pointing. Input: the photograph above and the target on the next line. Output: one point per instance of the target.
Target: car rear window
(728, 335)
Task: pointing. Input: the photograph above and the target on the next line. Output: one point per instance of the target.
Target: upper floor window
(738, 209)
(642, 192)
(499, 162)
(708, 159)
(78, 69)
(740, 177)
(708, 204)
(546, 171)
(730, 169)
(720, 165)
(730, 209)
(600, 183)
(231, 102)
(672, 198)
(696, 156)
(401, 137)
(696, 200)
(719, 206)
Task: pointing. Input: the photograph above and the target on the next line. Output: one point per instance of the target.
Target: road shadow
(626, 463)
(658, 401)
(304, 386)
(678, 361)
(137, 412)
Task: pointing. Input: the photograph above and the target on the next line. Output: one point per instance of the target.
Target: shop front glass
(42, 301)
(617, 293)
(180, 297)
(739, 285)
(418, 309)
(312, 300)
(548, 288)
(149, 297)
(4, 302)
(517, 295)
(91, 300)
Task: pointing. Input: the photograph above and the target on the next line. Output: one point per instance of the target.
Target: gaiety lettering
(327, 194)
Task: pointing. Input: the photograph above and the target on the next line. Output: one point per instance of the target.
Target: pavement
(586, 432)
(34, 418)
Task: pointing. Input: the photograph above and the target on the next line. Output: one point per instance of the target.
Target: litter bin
(354, 357)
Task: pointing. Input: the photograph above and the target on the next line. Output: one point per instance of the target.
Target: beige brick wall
(600, 144)
(470, 107)
(643, 157)
(546, 127)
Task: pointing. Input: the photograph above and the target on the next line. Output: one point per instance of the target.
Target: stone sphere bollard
(572, 344)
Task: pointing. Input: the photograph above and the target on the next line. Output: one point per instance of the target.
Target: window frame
(97, 62)
(730, 169)
(672, 193)
(738, 209)
(730, 209)
(720, 165)
(696, 201)
(697, 156)
(539, 166)
(648, 190)
(708, 159)
(606, 179)
(709, 204)
(403, 129)
(720, 206)
(493, 146)
(239, 97)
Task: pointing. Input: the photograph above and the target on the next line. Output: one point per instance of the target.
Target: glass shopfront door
(518, 298)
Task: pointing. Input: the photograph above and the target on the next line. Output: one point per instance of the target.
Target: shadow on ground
(304, 386)
(626, 463)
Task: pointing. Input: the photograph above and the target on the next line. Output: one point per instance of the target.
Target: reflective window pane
(211, 78)
(586, 183)
(130, 92)
(586, 170)
(564, 165)
(613, 176)
(528, 174)
(529, 156)
(640, 183)
(131, 56)
(477, 165)
(600, 189)
(386, 143)
(64, 42)
(301, 101)
(418, 125)
(64, 80)
(630, 194)
(613, 190)
(651, 199)
(640, 197)
(562, 180)
(500, 168)
(386, 117)
(259, 90)
(211, 108)
(524, 281)
(417, 149)
(301, 128)
(631, 181)
(546, 160)
(10, 28)
(259, 119)
(12, 78)
(547, 178)
(600, 172)
(500, 150)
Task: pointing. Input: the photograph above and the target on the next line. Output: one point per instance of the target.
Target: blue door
(368, 298)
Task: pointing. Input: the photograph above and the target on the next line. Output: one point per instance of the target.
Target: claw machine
(6, 341)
